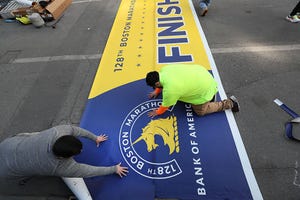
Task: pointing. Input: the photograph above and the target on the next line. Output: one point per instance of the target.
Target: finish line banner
(176, 155)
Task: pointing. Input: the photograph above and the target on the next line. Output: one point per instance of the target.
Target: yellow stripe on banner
(146, 35)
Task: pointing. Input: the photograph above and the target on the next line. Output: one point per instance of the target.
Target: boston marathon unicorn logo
(166, 128)
(150, 146)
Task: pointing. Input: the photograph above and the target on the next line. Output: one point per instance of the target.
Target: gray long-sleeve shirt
(30, 154)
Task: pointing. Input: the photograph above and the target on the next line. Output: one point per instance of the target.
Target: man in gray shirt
(49, 153)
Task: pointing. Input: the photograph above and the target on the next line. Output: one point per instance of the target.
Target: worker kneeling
(188, 83)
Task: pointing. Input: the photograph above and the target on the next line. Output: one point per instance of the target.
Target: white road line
(252, 183)
(213, 50)
(256, 49)
(57, 58)
(296, 182)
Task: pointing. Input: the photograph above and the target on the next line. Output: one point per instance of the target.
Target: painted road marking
(57, 58)
(256, 49)
(228, 50)
(255, 191)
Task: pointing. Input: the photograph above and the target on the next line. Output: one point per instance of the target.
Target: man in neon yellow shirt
(188, 83)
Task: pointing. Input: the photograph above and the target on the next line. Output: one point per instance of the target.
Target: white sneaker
(293, 19)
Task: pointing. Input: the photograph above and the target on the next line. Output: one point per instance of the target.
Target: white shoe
(293, 19)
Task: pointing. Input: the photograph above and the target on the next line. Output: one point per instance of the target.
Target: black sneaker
(236, 105)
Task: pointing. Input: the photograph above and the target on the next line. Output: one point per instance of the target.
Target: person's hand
(121, 171)
(152, 113)
(101, 138)
(152, 95)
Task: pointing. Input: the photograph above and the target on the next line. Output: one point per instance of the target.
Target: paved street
(46, 75)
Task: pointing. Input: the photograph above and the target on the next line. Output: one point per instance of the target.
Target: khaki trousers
(211, 107)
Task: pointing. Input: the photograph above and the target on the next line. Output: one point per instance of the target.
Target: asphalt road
(46, 75)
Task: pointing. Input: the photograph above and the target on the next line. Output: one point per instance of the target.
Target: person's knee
(202, 5)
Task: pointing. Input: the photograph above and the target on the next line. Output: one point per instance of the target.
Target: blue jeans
(204, 4)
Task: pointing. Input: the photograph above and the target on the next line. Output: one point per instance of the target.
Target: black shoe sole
(236, 106)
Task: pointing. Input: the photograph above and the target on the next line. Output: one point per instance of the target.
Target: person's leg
(211, 107)
(204, 4)
(296, 9)
(208, 3)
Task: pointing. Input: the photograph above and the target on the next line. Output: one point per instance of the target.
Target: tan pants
(211, 107)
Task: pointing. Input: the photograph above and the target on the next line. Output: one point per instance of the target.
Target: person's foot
(293, 19)
(236, 105)
(204, 11)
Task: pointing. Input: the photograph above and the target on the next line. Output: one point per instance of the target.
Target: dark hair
(152, 78)
(67, 146)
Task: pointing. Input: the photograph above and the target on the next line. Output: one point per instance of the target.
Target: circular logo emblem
(148, 145)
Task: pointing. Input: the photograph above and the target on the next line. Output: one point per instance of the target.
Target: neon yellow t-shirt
(187, 83)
